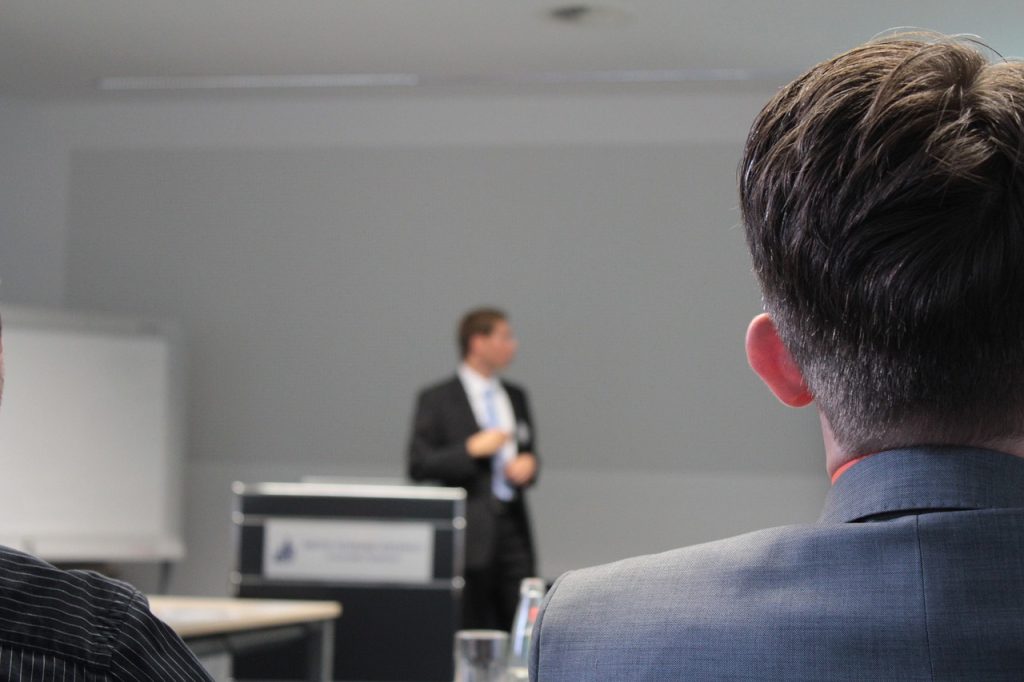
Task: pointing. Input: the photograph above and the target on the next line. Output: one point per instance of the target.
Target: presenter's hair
(477, 321)
(882, 194)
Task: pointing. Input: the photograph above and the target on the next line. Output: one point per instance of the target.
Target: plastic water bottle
(531, 593)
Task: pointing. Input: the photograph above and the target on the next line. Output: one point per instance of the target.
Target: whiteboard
(90, 437)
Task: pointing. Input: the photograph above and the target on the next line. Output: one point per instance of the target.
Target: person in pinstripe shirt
(80, 626)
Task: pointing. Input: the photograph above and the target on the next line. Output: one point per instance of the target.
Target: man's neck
(836, 457)
(480, 367)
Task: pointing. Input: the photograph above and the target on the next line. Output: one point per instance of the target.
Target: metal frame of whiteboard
(72, 547)
(350, 490)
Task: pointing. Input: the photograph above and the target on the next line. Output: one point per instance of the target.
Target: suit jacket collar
(455, 384)
(926, 478)
(460, 401)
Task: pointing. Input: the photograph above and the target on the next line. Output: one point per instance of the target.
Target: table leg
(320, 652)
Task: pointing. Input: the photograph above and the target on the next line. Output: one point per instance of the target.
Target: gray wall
(318, 252)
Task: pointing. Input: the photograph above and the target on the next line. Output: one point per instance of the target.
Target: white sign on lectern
(348, 551)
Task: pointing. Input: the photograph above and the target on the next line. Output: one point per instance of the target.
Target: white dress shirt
(476, 386)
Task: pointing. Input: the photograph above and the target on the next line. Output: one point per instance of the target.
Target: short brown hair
(883, 198)
(477, 321)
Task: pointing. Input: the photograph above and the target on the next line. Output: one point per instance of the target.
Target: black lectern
(391, 554)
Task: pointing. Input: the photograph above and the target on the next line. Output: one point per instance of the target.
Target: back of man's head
(883, 198)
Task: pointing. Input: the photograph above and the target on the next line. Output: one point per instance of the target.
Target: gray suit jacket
(915, 571)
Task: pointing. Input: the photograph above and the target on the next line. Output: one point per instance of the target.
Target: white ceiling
(64, 47)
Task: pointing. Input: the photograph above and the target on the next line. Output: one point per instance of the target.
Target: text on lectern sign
(356, 551)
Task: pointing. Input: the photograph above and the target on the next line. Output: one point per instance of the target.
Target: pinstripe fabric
(79, 626)
(915, 571)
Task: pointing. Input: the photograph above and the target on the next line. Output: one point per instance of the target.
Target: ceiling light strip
(372, 80)
(349, 80)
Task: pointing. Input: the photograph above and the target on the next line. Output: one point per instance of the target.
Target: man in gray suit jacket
(883, 199)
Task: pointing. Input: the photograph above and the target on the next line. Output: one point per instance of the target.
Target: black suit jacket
(443, 421)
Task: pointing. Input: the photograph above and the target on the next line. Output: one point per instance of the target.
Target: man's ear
(773, 363)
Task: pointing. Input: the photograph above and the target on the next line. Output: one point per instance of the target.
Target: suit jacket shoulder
(923, 594)
(677, 615)
(444, 389)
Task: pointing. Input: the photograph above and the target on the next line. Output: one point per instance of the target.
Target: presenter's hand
(522, 469)
(485, 443)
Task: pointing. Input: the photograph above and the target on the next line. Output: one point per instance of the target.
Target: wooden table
(213, 625)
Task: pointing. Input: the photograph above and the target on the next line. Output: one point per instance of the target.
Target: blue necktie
(499, 484)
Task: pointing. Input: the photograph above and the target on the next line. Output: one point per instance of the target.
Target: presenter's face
(498, 349)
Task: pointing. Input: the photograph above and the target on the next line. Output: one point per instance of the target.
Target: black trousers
(491, 593)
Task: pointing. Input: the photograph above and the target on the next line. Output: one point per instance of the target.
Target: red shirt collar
(842, 470)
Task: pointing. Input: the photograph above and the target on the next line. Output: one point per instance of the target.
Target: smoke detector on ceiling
(587, 14)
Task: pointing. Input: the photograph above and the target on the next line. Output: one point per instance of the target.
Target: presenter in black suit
(474, 431)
